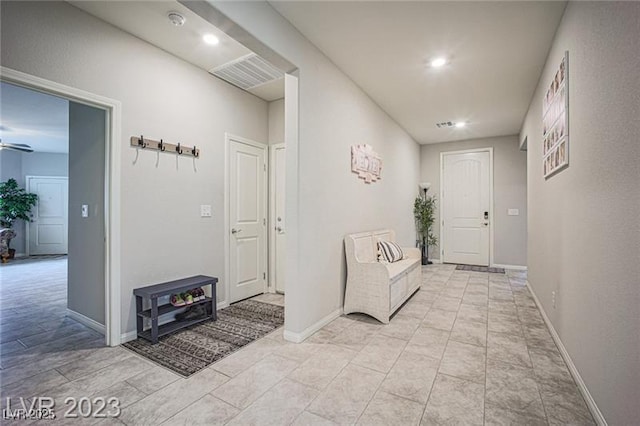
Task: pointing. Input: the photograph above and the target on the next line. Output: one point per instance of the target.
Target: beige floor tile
(446, 304)
(93, 362)
(437, 318)
(401, 327)
(310, 419)
(347, 395)
(503, 307)
(471, 332)
(464, 361)
(246, 357)
(34, 386)
(356, 336)
(282, 405)
(319, 370)
(508, 348)
(123, 391)
(411, 377)
(474, 313)
(494, 416)
(207, 411)
(153, 380)
(380, 353)
(428, 341)
(299, 352)
(249, 385)
(564, 404)
(513, 388)
(454, 401)
(386, 409)
(168, 401)
(504, 324)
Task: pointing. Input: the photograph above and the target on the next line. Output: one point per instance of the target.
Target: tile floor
(468, 348)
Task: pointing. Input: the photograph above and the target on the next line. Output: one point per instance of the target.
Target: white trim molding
(514, 267)
(112, 192)
(85, 320)
(591, 403)
(290, 336)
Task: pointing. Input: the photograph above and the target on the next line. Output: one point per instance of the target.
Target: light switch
(513, 212)
(205, 210)
(85, 210)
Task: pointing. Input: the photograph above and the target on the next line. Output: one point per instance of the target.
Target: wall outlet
(85, 210)
(553, 299)
(513, 212)
(205, 210)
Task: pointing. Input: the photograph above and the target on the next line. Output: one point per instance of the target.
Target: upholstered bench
(375, 288)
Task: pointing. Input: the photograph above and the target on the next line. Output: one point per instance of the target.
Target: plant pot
(12, 253)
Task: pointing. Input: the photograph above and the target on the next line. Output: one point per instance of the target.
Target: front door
(247, 219)
(278, 222)
(48, 229)
(466, 207)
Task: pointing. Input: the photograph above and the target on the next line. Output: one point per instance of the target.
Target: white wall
(584, 233)
(163, 236)
(509, 192)
(276, 121)
(45, 164)
(331, 201)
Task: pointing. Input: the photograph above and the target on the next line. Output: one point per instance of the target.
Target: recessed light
(460, 124)
(211, 39)
(438, 62)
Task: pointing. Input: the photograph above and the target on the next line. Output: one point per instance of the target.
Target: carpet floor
(190, 350)
(479, 269)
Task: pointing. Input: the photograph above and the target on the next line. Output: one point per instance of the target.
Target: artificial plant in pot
(15, 203)
(424, 213)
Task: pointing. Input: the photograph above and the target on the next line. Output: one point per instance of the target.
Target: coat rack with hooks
(143, 143)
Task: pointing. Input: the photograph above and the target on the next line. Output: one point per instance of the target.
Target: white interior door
(47, 234)
(466, 207)
(277, 251)
(247, 219)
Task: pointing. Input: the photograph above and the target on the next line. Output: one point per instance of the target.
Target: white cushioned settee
(376, 288)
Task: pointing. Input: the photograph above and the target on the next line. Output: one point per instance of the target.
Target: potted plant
(15, 203)
(424, 213)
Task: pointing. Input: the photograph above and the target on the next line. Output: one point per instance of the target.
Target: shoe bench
(154, 292)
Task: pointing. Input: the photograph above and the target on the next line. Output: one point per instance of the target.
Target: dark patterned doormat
(479, 269)
(190, 350)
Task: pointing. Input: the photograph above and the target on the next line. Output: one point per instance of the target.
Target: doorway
(467, 207)
(47, 233)
(277, 228)
(247, 212)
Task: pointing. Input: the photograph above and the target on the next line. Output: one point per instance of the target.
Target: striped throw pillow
(389, 252)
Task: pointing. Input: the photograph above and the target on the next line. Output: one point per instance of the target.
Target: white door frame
(271, 216)
(27, 229)
(491, 203)
(112, 192)
(228, 137)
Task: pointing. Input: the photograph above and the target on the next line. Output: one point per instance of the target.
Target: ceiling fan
(15, 146)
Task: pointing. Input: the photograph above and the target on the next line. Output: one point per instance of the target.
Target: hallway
(468, 347)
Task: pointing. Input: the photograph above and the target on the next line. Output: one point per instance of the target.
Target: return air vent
(446, 124)
(248, 72)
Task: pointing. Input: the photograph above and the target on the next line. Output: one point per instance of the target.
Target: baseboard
(222, 305)
(85, 320)
(435, 260)
(514, 267)
(591, 403)
(300, 337)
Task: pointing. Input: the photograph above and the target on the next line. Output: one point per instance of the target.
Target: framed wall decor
(555, 122)
(366, 163)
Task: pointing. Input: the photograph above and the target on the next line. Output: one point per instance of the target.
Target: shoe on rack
(177, 300)
(200, 292)
(192, 313)
(188, 298)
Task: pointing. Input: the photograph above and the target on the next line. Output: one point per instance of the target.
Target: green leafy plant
(424, 213)
(15, 203)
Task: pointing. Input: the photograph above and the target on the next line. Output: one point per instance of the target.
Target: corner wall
(334, 114)
(162, 234)
(584, 232)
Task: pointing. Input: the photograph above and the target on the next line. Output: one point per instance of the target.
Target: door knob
(235, 231)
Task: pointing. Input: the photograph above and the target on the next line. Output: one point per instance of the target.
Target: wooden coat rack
(179, 149)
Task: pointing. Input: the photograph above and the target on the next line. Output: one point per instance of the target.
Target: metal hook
(178, 149)
(141, 142)
(195, 152)
(161, 146)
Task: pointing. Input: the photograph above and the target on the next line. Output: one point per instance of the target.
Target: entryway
(467, 203)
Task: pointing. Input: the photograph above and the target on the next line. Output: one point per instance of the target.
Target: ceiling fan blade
(16, 147)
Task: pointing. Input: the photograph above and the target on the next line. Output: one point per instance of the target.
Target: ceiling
(496, 52)
(34, 118)
(148, 21)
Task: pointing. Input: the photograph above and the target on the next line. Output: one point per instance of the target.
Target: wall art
(366, 163)
(555, 122)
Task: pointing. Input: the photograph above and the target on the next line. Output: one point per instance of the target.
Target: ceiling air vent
(446, 124)
(248, 72)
